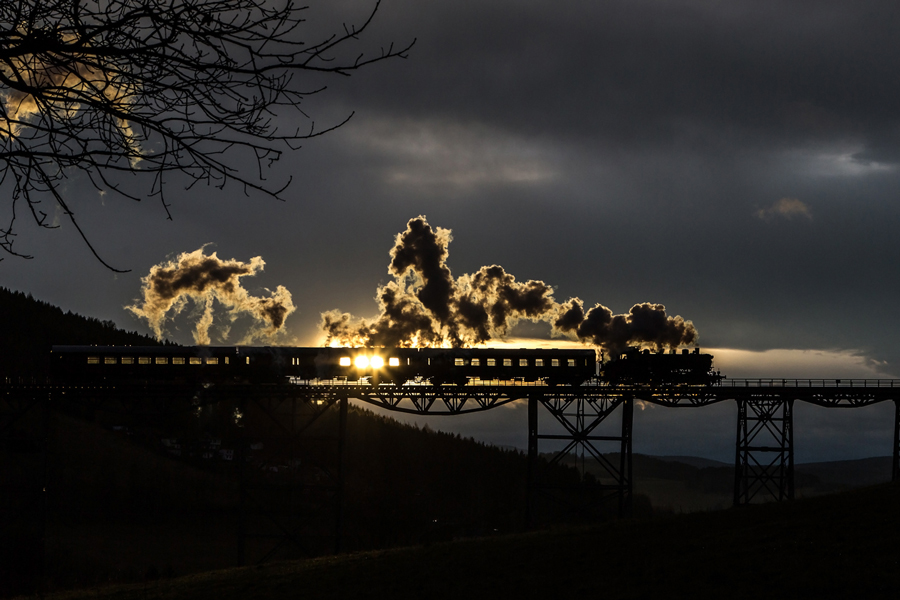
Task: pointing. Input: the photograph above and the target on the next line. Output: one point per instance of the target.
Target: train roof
(85, 349)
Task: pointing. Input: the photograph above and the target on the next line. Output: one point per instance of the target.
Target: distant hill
(30, 327)
(691, 484)
(694, 461)
(849, 473)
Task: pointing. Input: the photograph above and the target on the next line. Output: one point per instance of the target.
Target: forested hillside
(30, 327)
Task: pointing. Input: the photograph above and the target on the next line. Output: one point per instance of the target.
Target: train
(375, 366)
(273, 364)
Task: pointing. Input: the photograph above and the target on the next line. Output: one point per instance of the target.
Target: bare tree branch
(151, 87)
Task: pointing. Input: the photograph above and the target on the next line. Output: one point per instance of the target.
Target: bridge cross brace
(576, 420)
(764, 452)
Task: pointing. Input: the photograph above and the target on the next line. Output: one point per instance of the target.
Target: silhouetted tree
(113, 88)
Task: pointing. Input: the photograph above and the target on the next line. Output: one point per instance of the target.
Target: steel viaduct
(594, 420)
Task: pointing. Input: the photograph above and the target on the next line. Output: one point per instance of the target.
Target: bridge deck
(484, 395)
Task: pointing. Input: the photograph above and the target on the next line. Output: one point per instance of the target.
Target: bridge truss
(764, 444)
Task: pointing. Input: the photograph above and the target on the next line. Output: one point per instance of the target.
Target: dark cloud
(653, 72)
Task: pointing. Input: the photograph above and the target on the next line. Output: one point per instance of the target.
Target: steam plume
(204, 279)
(425, 306)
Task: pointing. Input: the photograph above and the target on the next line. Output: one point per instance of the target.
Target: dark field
(838, 546)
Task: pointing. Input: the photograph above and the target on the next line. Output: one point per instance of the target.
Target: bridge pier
(25, 438)
(307, 437)
(895, 469)
(764, 451)
(576, 442)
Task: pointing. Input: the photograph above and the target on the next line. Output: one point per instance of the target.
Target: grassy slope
(843, 545)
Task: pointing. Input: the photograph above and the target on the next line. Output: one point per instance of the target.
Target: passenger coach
(273, 365)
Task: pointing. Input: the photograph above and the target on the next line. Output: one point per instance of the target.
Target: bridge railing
(414, 385)
(811, 383)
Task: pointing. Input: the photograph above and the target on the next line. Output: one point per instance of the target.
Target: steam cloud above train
(422, 306)
(205, 279)
(425, 306)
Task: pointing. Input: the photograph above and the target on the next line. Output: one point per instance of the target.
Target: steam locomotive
(377, 366)
(643, 367)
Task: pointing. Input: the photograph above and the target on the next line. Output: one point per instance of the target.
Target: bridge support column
(25, 419)
(895, 469)
(339, 493)
(533, 402)
(290, 453)
(573, 438)
(764, 452)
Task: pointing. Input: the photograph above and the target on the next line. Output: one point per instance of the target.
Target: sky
(735, 161)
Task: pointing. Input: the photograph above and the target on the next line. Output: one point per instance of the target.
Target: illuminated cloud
(203, 280)
(66, 81)
(786, 208)
(796, 363)
(425, 306)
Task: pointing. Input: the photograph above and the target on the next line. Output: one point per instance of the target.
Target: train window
(507, 362)
(196, 360)
(393, 362)
(226, 360)
(492, 362)
(344, 361)
(523, 362)
(459, 362)
(571, 362)
(476, 362)
(109, 360)
(212, 360)
(143, 360)
(93, 360)
(248, 360)
(162, 360)
(539, 362)
(177, 360)
(127, 360)
(554, 362)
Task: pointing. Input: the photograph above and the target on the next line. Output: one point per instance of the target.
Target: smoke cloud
(203, 280)
(425, 306)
